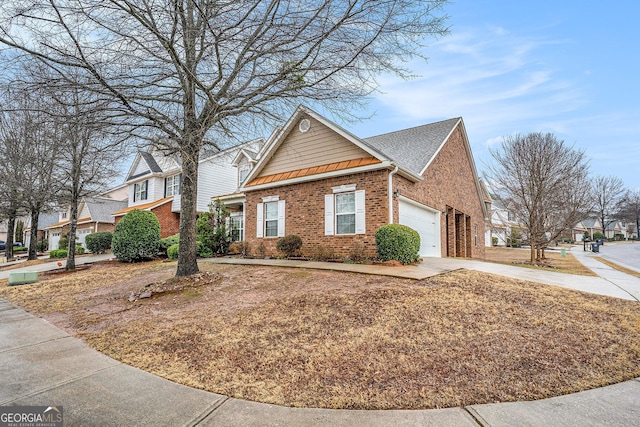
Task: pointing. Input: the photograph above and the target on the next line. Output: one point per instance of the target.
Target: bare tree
(544, 182)
(87, 153)
(38, 147)
(13, 130)
(182, 72)
(631, 208)
(608, 193)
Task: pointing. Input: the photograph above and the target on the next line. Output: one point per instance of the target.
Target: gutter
(390, 193)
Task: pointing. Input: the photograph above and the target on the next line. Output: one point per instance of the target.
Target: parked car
(3, 245)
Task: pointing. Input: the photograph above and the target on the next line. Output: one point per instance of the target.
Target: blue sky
(566, 67)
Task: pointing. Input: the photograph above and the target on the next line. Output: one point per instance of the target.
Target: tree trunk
(73, 224)
(33, 241)
(533, 253)
(187, 261)
(11, 224)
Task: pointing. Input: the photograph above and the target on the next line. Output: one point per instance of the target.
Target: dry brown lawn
(554, 260)
(327, 339)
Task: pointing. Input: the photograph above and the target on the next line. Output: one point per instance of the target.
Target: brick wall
(105, 227)
(169, 221)
(305, 213)
(449, 185)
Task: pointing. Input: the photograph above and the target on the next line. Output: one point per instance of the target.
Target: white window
(270, 215)
(173, 185)
(140, 191)
(243, 171)
(344, 211)
(236, 228)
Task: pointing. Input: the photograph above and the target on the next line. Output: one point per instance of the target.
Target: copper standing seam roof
(66, 221)
(149, 205)
(315, 170)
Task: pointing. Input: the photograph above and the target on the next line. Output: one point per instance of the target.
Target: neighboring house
(589, 226)
(615, 228)
(44, 221)
(333, 189)
(94, 215)
(154, 182)
(4, 227)
(504, 224)
(630, 230)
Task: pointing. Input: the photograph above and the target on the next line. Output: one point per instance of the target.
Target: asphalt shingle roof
(101, 209)
(413, 148)
(153, 165)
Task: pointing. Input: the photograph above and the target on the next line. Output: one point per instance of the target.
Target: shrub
(289, 245)
(598, 235)
(58, 253)
(357, 252)
(203, 250)
(172, 251)
(79, 249)
(211, 228)
(398, 242)
(63, 243)
(19, 249)
(42, 246)
(99, 243)
(323, 253)
(136, 237)
(240, 248)
(262, 250)
(166, 242)
(494, 241)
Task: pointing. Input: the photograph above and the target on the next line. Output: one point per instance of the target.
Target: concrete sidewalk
(42, 365)
(615, 284)
(53, 264)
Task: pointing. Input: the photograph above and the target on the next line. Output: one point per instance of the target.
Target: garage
(54, 240)
(425, 221)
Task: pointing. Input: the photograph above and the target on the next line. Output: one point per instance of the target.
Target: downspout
(390, 192)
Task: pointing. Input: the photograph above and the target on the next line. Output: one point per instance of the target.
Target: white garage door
(53, 240)
(426, 222)
(82, 235)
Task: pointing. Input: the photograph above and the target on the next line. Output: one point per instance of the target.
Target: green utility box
(23, 278)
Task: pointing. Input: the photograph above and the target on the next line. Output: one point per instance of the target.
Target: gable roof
(414, 148)
(100, 209)
(592, 223)
(151, 162)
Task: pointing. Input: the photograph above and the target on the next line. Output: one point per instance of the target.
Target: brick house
(154, 182)
(94, 215)
(334, 189)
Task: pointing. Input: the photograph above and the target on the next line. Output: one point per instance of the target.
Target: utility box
(23, 278)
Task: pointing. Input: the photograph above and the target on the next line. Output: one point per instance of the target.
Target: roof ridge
(413, 127)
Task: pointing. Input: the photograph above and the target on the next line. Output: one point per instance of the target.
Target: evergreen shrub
(398, 242)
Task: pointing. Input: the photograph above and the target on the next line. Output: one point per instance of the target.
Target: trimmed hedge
(100, 242)
(398, 242)
(58, 253)
(289, 245)
(166, 242)
(172, 251)
(136, 237)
